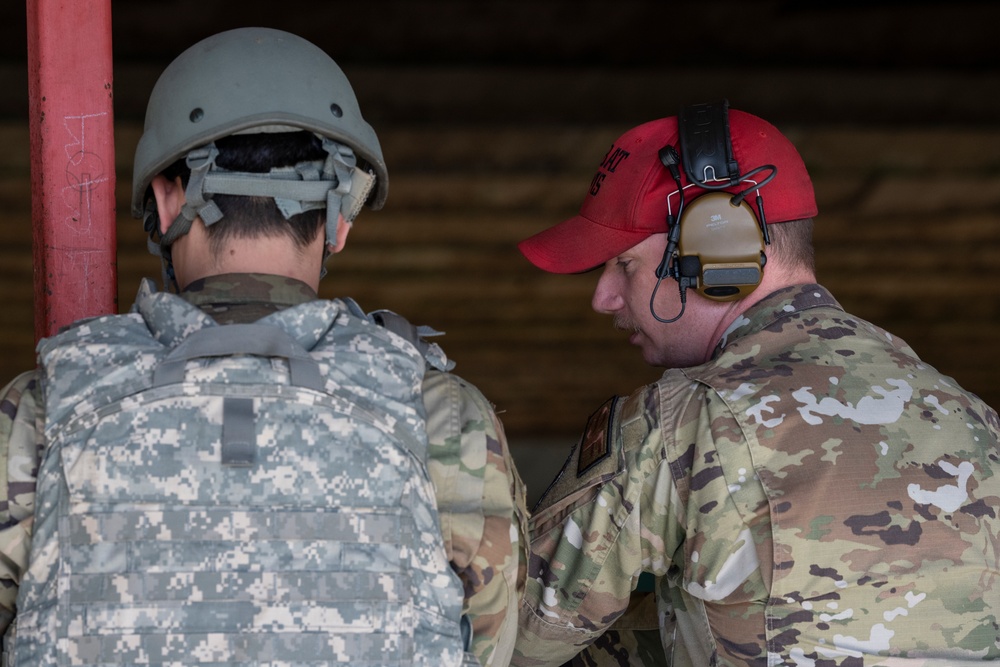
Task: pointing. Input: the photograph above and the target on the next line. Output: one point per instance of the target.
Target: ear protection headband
(716, 242)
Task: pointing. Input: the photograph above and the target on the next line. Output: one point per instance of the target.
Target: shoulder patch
(595, 446)
(595, 459)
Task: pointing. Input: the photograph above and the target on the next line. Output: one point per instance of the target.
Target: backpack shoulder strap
(415, 335)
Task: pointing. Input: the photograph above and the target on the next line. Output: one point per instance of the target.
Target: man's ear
(343, 228)
(169, 197)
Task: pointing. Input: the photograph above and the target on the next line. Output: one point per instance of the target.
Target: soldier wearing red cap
(798, 488)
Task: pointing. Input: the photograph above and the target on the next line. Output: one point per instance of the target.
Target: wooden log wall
(493, 116)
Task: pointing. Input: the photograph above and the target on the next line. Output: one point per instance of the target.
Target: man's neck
(193, 258)
(775, 277)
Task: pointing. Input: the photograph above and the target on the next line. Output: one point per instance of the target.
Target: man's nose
(607, 299)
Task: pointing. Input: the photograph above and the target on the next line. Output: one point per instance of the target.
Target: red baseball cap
(627, 201)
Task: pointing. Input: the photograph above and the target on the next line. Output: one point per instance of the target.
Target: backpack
(244, 494)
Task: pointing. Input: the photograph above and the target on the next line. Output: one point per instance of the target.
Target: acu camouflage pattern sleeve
(482, 507)
(20, 449)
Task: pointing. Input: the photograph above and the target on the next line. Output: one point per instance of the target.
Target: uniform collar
(774, 308)
(246, 297)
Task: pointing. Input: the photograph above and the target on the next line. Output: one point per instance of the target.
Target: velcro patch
(595, 446)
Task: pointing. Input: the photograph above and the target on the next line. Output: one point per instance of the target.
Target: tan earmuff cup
(728, 242)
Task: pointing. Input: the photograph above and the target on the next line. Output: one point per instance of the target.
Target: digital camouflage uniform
(479, 496)
(814, 495)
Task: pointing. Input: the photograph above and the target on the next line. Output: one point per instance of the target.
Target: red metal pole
(72, 160)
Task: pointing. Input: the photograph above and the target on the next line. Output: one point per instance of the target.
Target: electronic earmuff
(716, 241)
(726, 245)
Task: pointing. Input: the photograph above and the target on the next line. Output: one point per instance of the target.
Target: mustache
(625, 323)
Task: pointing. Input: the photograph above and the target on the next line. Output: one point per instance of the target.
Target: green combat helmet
(255, 80)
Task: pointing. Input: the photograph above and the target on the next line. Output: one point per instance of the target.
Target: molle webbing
(246, 494)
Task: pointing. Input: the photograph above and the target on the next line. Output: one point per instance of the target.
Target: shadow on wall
(539, 461)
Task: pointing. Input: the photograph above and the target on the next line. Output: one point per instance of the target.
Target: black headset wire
(670, 159)
(755, 188)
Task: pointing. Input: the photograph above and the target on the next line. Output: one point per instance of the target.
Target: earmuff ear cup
(727, 242)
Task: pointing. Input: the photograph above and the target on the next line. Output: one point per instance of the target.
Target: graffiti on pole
(85, 171)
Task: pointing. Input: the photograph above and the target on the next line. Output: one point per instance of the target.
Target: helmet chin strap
(196, 204)
(335, 183)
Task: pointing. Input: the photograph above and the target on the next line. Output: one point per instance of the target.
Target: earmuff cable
(671, 160)
(740, 196)
(755, 188)
(682, 288)
(667, 269)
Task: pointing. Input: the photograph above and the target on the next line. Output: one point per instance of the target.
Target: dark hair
(793, 242)
(259, 217)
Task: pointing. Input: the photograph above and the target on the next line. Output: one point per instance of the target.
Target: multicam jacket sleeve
(20, 449)
(481, 502)
(815, 496)
(590, 542)
(632, 500)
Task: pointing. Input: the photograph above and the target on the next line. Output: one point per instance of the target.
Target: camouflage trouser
(633, 641)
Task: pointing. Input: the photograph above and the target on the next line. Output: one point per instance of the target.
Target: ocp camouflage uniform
(480, 497)
(814, 495)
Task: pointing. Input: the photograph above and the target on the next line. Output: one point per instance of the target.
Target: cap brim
(578, 245)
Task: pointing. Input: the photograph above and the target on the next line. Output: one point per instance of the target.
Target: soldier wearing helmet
(262, 124)
(253, 164)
